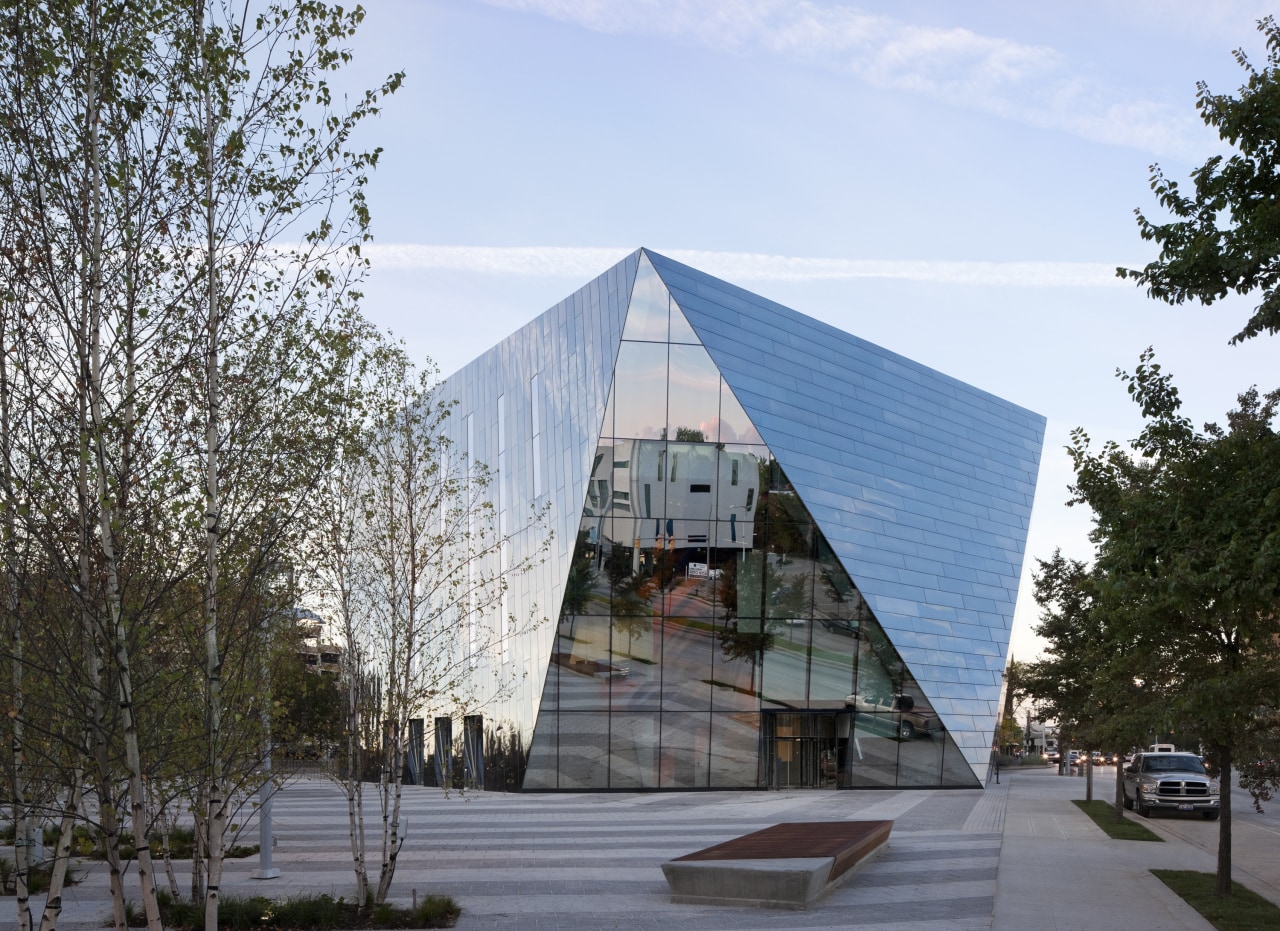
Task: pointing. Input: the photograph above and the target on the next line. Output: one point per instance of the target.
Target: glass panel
(584, 751)
(635, 670)
(737, 500)
(648, 311)
(786, 662)
(788, 572)
(686, 751)
(833, 666)
(633, 751)
(955, 769)
(606, 423)
(694, 402)
(873, 756)
(686, 665)
(563, 642)
(735, 425)
(640, 575)
(743, 591)
(585, 667)
(691, 497)
(640, 391)
(920, 759)
(681, 332)
(735, 750)
(543, 766)
(736, 665)
(586, 588)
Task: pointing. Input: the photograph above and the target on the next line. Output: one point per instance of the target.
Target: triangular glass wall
(709, 637)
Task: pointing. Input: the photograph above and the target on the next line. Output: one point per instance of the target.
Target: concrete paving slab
(1016, 856)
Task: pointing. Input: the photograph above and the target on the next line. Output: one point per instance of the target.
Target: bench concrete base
(786, 866)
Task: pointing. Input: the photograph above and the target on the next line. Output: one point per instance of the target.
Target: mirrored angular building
(782, 556)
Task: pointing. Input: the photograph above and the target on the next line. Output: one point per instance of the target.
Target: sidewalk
(1018, 855)
(1059, 870)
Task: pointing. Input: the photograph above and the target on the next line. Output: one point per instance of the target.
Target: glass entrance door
(805, 749)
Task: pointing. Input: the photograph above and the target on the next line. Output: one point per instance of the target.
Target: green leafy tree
(1224, 237)
(1187, 527)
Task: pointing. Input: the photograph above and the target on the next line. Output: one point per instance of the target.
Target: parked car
(900, 713)
(1170, 781)
(839, 626)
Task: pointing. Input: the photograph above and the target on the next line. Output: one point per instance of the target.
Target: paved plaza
(1018, 855)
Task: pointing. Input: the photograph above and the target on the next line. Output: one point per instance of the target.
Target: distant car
(1170, 781)
(839, 626)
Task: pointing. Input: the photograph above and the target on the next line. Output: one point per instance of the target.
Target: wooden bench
(790, 865)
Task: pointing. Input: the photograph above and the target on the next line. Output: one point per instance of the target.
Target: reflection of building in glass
(783, 556)
(688, 495)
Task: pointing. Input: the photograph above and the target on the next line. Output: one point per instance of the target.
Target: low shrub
(310, 913)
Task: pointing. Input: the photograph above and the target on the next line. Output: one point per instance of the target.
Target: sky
(955, 182)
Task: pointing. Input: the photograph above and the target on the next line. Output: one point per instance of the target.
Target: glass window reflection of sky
(648, 311)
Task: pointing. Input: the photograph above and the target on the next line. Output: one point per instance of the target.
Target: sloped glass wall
(709, 638)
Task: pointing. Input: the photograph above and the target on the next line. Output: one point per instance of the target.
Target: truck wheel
(1141, 807)
(906, 730)
(1128, 802)
(1210, 815)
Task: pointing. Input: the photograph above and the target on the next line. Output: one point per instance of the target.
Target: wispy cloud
(580, 263)
(1035, 84)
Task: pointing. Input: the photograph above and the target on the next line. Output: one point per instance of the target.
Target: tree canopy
(1187, 575)
(1224, 236)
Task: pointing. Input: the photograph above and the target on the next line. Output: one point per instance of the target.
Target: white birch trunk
(217, 811)
(62, 857)
(12, 607)
(106, 519)
(355, 760)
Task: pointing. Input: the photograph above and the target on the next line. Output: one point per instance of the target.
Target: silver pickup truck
(1170, 782)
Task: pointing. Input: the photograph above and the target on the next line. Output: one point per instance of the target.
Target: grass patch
(310, 913)
(1243, 910)
(1104, 816)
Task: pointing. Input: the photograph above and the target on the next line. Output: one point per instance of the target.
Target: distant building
(783, 556)
(314, 651)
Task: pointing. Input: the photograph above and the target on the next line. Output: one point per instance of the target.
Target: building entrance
(806, 749)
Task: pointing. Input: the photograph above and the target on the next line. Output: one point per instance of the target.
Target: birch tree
(187, 211)
(414, 562)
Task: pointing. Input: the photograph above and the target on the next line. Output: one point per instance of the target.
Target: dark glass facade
(710, 627)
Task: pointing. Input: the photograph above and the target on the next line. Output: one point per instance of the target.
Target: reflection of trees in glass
(690, 435)
(504, 757)
(579, 584)
(885, 677)
(838, 588)
(738, 644)
(633, 626)
(727, 589)
(617, 565)
(790, 598)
